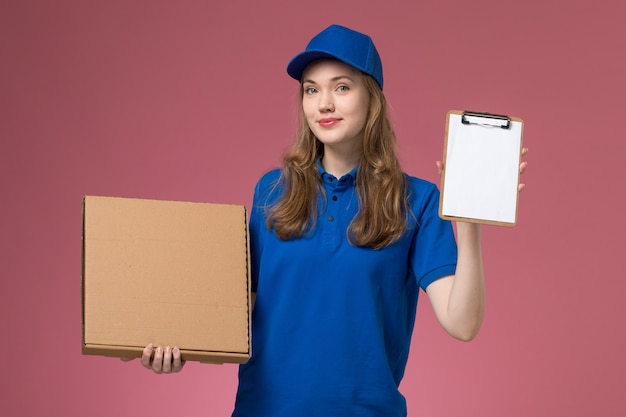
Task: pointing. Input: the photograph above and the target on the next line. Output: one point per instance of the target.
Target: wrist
(468, 231)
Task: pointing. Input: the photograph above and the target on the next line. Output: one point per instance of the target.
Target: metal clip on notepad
(486, 119)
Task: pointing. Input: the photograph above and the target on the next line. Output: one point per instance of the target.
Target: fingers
(177, 361)
(146, 357)
(439, 167)
(162, 360)
(522, 167)
(167, 361)
(157, 361)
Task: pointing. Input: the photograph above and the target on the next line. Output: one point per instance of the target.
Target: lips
(328, 122)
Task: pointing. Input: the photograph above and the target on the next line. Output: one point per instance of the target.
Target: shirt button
(334, 198)
(331, 218)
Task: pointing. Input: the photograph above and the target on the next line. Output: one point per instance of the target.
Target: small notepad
(482, 153)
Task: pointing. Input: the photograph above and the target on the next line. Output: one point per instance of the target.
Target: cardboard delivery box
(168, 273)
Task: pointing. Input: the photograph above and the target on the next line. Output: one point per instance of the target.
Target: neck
(339, 163)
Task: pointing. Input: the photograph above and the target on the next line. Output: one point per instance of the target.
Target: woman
(341, 243)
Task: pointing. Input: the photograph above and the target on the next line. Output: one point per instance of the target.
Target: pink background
(190, 101)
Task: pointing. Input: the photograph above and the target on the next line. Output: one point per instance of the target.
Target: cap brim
(298, 64)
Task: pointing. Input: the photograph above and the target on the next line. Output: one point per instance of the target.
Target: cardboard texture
(168, 273)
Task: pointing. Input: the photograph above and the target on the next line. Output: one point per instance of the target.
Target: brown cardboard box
(168, 273)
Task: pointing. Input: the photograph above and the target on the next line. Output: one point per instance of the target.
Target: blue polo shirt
(332, 322)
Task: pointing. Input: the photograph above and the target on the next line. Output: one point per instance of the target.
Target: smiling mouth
(328, 122)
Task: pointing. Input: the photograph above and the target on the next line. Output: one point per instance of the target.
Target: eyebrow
(334, 79)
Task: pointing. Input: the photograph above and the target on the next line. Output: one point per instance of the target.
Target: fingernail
(159, 349)
(167, 350)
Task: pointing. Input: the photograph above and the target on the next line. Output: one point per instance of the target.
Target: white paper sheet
(481, 172)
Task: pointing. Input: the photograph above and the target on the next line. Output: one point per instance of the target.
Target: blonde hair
(380, 183)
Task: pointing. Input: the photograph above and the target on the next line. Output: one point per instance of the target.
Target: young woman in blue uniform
(342, 241)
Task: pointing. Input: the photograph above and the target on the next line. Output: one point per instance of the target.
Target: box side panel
(169, 273)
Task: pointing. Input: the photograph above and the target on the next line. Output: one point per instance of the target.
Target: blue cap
(354, 48)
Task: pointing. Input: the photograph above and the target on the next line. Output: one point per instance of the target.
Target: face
(335, 103)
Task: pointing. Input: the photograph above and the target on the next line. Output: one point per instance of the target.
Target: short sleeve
(434, 250)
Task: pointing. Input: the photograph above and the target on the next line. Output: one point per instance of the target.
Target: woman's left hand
(522, 168)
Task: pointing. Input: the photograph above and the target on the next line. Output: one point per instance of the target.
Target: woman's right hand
(162, 360)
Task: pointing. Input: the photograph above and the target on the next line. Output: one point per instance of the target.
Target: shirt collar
(331, 179)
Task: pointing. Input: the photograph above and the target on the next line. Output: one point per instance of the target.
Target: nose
(326, 103)
(326, 107)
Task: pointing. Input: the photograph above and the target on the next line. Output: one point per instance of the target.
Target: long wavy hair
(380, 183)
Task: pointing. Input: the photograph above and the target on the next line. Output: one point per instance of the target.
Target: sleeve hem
(437, 273)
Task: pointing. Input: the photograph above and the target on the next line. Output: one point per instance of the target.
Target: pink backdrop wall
(190, 101)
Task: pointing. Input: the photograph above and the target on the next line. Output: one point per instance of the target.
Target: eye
(309, 90)
(343, 88)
